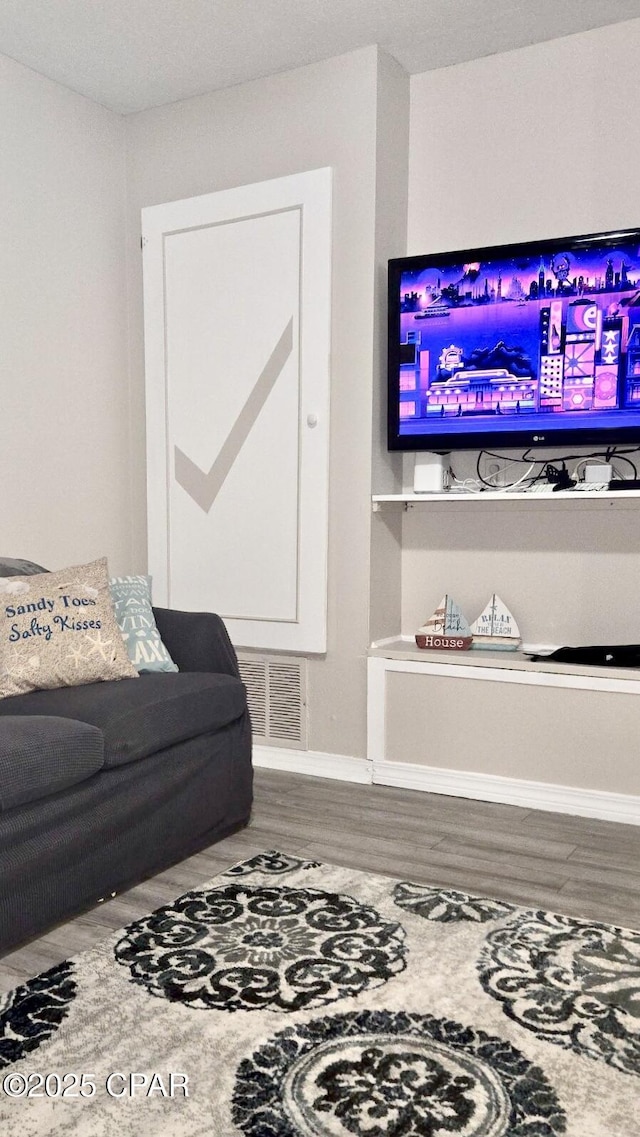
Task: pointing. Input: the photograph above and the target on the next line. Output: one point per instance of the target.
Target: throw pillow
(131, 597)
(58, 629)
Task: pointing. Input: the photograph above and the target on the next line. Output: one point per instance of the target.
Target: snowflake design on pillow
(13, 587)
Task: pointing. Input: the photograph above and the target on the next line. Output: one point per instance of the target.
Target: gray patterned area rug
(292, 999)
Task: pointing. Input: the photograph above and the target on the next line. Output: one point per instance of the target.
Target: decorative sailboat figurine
(446, 628)
(496, 628)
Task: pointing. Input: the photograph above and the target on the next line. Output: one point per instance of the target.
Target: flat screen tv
(533, 344)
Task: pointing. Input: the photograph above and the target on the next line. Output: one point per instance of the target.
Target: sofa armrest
(197, 641)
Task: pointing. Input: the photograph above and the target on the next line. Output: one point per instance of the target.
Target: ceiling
(133, 54)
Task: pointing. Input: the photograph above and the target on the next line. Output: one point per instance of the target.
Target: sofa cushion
(42, 755)
(59, 629)
(140, 718)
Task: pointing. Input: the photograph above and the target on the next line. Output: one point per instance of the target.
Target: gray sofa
(104, 784)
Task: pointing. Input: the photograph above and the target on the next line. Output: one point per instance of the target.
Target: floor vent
(276, 691)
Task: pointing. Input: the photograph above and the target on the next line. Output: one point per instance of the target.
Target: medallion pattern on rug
(271, 947)
(391, 1009)
(33, 1012)
(271, 861)
(376, 1073)
(446, 905)
(572, 983)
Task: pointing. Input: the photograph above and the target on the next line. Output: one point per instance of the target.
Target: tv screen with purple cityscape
(527, 342)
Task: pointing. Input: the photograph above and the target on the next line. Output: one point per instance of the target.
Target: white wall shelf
(454, 497)
(503, 662)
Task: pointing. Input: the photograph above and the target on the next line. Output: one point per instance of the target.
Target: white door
(237, 313)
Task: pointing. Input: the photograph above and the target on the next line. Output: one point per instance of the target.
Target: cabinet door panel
(237, 294)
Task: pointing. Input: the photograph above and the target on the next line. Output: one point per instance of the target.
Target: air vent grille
(276, 693)
(253, 677)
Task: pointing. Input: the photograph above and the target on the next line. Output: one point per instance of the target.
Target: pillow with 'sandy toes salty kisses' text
(58, 629)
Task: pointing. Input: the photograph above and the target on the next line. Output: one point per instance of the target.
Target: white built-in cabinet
(237, 289)
(498, 726)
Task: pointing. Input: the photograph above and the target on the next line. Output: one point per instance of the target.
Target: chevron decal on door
(204, 488)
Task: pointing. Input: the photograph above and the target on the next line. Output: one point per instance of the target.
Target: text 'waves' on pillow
(131, 597)
(58, 629)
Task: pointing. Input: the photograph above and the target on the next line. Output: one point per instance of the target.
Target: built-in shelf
(600, 497)
(408, 651)
(462, 710)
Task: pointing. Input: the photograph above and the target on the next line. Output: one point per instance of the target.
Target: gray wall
(538, 142)
(72, 461)
(322, 115)
(558, 736)
(392, 162)
(64, 419)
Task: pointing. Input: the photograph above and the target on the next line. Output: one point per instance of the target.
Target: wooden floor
(573, 865)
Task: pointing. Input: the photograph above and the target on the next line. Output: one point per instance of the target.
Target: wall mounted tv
(533, 344)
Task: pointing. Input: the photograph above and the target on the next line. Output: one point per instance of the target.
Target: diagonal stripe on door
(205, 487)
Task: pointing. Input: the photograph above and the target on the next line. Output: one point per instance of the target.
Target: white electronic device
(429, 473)
(599, 472)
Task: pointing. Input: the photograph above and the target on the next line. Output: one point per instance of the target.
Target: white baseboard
(342, 767)
(606, 806)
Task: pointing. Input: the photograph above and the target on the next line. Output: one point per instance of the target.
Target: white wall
(538, 142)
(64, 493)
